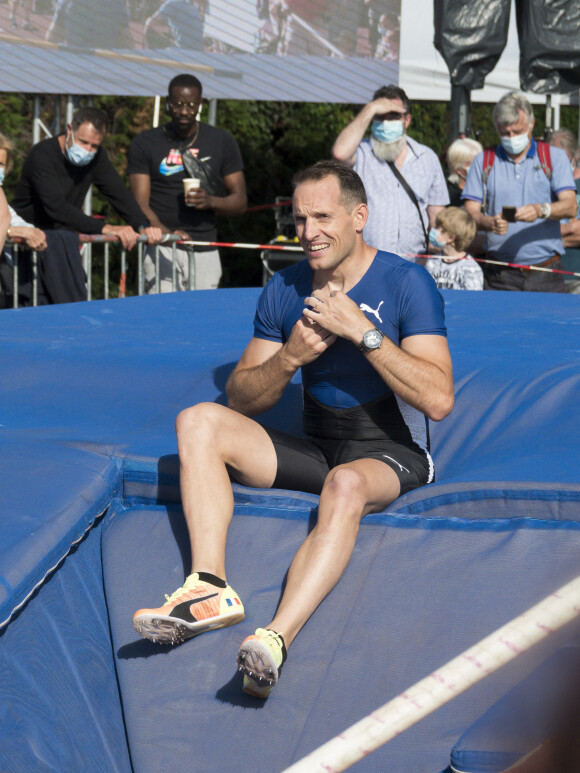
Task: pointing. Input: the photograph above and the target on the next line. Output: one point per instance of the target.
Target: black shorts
(304, 463)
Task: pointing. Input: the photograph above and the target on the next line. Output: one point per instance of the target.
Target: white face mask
(78, 155)
(515, 145)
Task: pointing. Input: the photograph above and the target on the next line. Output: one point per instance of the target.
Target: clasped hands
(326, 316)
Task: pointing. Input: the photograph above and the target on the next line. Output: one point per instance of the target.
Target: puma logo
(364, 307)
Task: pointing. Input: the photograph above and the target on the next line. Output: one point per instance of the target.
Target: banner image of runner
(214, 36)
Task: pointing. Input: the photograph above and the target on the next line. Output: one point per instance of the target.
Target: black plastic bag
(549, 36)
(471, 37)
(211, 182)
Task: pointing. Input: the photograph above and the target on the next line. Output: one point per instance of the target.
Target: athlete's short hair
(351, 186)
(459, 224)
(185, 81)
(92, 115)
(7, 145)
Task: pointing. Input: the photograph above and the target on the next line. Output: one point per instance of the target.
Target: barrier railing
(287, 251)
(274, 255)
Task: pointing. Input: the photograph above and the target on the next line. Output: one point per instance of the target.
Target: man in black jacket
(57, 175)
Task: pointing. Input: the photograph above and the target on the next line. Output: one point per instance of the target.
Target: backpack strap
(545, 157)
(488, 159)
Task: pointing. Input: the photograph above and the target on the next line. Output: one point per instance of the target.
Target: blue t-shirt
(400, 298)
(513, 185)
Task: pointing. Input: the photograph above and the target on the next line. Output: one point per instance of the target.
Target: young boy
(454, 231)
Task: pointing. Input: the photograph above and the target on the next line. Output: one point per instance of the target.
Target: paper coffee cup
(190, 184)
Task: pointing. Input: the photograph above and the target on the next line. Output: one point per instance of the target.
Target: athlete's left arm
(419, 372)
(235, 202)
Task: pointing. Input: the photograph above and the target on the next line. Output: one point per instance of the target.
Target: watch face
(372, 339)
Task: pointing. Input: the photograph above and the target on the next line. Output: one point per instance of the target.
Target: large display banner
(255, 49)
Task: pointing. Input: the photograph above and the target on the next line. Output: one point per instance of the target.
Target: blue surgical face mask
(77, 155)
(387, 131)
(434, 239)
(2, 173)
(515, 145)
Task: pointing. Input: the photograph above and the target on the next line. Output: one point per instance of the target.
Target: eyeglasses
(191, 107)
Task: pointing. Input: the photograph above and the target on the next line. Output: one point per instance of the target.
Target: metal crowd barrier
(88, 243)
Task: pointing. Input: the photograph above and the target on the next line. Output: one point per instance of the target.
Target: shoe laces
(185, 589)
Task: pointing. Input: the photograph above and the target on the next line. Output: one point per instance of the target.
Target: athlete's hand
(307, 341)
(337, 313)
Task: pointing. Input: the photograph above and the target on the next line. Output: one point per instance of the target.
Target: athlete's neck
(347, 274)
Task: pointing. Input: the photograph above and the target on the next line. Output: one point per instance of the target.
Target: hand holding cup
(190, 185)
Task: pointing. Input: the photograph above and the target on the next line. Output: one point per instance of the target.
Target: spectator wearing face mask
(454, 268)
(520, 204)
(570, 229)
(460, 154)
(56, 177)
(403, 179)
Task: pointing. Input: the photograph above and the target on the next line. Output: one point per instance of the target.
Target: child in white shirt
(454, 269)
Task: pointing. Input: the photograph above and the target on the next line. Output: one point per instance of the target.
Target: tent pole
(36, 121)
(549, 116)
(212, 112)
(460, 112)
(156, 109)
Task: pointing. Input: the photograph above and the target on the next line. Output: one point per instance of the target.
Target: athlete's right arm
(266, 367)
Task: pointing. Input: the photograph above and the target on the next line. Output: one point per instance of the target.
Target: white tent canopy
(423, 73)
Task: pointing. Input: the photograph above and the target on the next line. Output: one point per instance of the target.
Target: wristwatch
(372, 339)
(545, 210)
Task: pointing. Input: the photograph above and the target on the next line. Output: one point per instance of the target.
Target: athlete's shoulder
(390, 261)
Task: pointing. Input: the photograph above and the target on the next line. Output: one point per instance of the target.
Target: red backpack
(489, 157)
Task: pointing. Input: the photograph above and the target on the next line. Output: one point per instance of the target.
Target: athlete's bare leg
(212, 438)
(350, 492)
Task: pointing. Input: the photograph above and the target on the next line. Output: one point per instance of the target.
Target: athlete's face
(328, 233)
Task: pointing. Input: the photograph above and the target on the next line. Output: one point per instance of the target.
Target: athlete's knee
(345, 491)
(198, 424)
(345, 481)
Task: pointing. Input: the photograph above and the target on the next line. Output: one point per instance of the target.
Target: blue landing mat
(88, 399)
(413, 596)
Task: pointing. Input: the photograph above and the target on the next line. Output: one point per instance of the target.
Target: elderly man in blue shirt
(520, 204)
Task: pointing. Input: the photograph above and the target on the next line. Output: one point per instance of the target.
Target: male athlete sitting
(367, 330)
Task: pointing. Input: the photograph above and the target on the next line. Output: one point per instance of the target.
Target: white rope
(441, 686)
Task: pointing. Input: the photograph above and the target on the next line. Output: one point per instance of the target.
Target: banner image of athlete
(52, 45)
